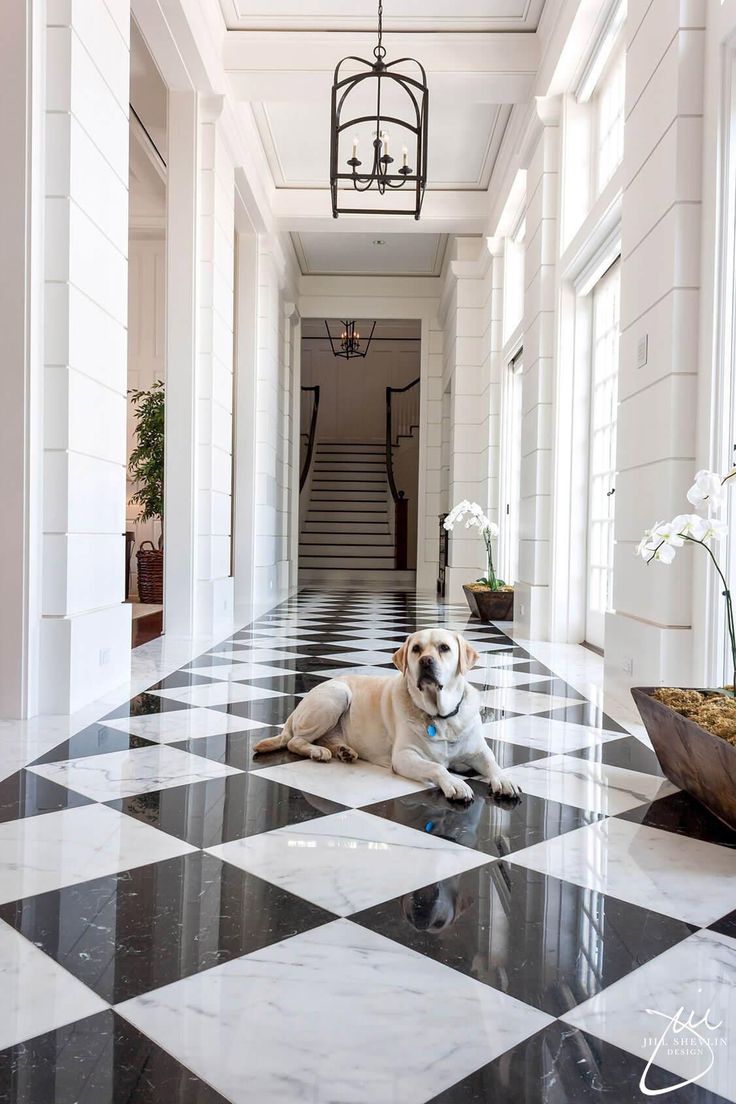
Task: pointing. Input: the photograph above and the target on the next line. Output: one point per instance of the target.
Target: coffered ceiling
(481, 59)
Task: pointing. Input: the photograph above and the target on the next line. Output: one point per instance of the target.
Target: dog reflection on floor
(434, 908)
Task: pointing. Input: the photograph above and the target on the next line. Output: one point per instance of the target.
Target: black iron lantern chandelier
(387, 111)
(349, 345)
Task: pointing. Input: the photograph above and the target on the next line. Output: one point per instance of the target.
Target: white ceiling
(405, 329)
(399, 15)
(346, 254)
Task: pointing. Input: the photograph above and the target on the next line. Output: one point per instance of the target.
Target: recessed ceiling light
(379, 241)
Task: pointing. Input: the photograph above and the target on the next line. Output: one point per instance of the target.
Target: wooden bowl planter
(490, 605)
(694, 759)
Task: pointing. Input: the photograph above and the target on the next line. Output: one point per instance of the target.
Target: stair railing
(308, 438)
(402, 412)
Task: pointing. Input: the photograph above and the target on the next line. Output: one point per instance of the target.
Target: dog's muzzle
(427, 674)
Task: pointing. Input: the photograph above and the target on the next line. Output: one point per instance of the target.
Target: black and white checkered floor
(181, 923)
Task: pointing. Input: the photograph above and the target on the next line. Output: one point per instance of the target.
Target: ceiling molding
(526, 21)
(434, 269)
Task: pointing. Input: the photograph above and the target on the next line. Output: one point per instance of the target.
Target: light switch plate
(642, 351)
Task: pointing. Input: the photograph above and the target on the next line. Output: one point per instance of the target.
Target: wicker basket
(150, 573)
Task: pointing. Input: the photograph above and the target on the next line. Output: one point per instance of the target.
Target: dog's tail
(272, 743)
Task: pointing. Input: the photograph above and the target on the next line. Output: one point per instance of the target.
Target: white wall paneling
(85, 627)
(22, 44)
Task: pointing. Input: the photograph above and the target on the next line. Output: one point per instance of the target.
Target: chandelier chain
(379, 51)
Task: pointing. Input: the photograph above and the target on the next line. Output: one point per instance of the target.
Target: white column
(22, 37)
(531, 603)
(467, 360)
(216, 231)
(649, 637)
(199, 378)
(245, 422)
(85, 629)
(430, 474)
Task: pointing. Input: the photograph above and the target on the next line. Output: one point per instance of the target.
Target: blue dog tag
(431, 730)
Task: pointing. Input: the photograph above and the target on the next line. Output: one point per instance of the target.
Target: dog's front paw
(500, 785)
(457, 790)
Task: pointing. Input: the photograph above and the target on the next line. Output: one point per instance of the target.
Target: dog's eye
(444, 647)
(416, 648)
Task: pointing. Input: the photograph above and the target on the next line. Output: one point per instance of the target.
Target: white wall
(85, 629)
(352, 402)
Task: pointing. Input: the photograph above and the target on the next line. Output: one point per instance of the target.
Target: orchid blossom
(663, 540)
(487, 529)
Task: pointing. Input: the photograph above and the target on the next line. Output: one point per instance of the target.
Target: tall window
(508, 550)
(602, 451)
(609, 125)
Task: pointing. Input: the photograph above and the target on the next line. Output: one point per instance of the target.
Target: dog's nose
(425, 660)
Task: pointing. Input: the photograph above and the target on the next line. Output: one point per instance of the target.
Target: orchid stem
(730, 624)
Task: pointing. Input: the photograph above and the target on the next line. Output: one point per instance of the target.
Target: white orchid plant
(662, 541)
(487, 530)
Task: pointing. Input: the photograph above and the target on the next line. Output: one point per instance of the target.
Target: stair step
(346, 540)
(365, 562)
(345, 515)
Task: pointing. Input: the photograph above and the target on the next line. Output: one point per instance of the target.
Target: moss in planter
(713, 712)
(483, 586)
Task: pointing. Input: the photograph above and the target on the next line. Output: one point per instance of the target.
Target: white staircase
(346, 523)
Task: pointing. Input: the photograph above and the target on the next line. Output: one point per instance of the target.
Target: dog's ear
(400, 656)
(468, 655)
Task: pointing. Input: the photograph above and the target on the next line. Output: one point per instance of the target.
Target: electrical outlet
(628, 665)
(642, 351)
(104, 656)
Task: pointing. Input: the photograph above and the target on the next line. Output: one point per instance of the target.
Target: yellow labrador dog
(421, 725)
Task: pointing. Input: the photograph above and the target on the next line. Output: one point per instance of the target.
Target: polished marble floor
(183, 923)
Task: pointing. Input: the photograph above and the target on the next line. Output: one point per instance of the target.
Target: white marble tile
(175, 725)
(367, 656)
(134, 771)
(57, 849)
(698, 976)
(367, 644)
(523, 701)
(38, 995)
(587, 784)
(218, 693)
(490, 661)
(664, 871)
(337, 1014)
(503, 678)
(238, 670)
(349, 861)
(352, 784)
(547, 734)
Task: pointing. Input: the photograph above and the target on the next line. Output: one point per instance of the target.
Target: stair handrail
(399, 498)
(311, 437)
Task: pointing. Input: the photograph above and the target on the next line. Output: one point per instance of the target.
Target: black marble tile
(143, 705)
(512, 755)
(96, 739)
(585, 713)
(489, 713)
(726, 925)
(298, 682)
(235, 749)
(628, 752)
(555, 687)
(223, 809)
(496, 826)
(562, 1065)
(546, 942)
(132, 932)
(269, 711)
(180, 679)
(682, 814)
(25, 794)
(99, 1060)
(310, 664)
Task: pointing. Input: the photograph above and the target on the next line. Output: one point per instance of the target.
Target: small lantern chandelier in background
(384, 110)
(349, 346)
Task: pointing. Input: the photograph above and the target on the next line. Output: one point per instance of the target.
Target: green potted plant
(146, 468)
(693, 730)
(489, 598)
